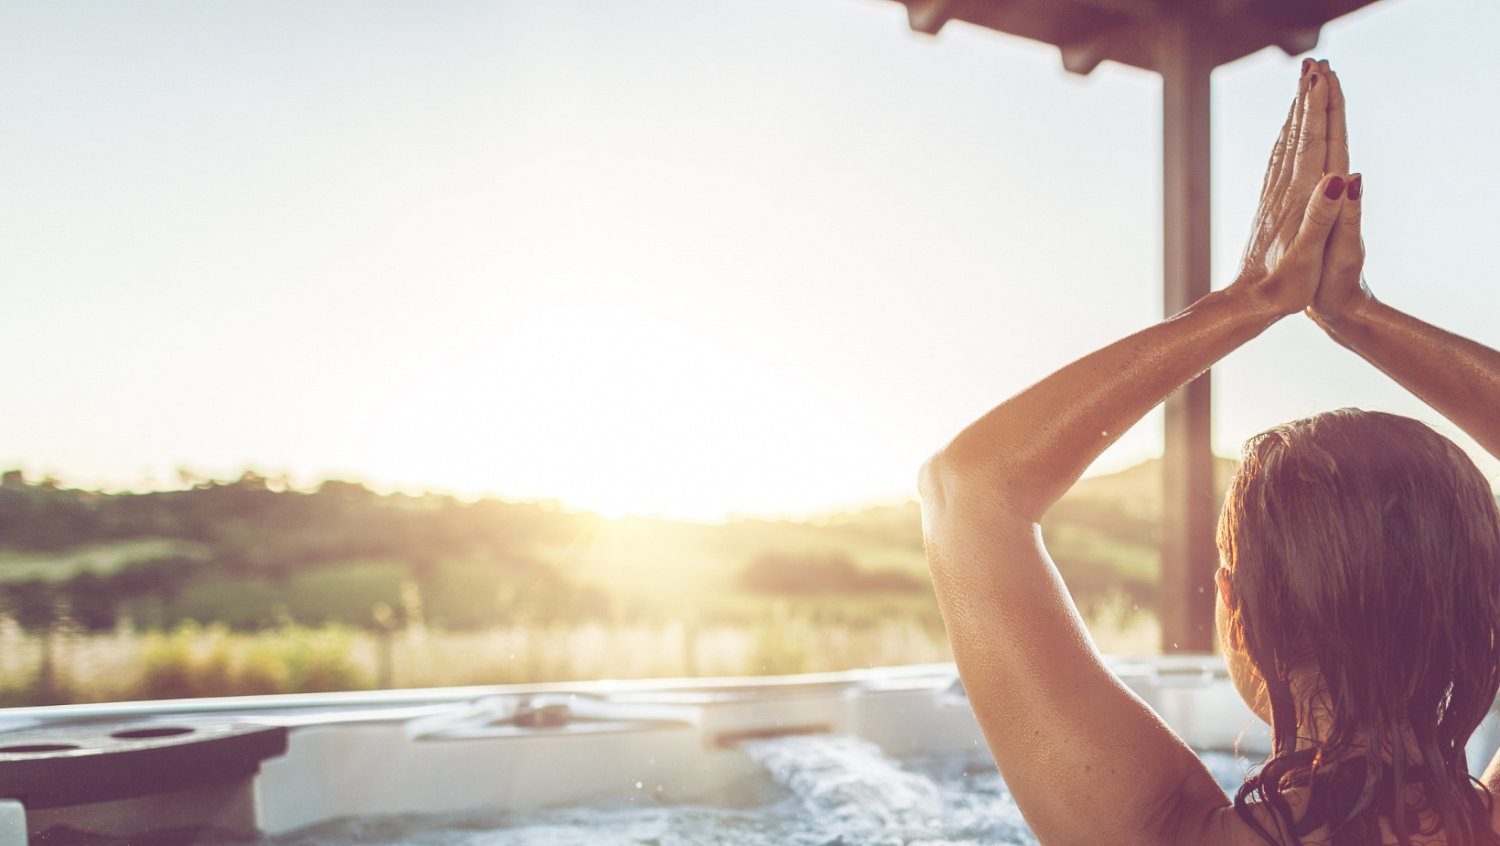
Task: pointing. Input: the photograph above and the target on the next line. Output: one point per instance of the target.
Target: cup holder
(138, 734)
(176, 780)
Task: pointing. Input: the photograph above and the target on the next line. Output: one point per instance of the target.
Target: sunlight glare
(622, 412)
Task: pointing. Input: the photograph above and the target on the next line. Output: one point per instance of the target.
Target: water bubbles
(851, 787)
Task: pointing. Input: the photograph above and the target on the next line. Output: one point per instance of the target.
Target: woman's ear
(1226, 590)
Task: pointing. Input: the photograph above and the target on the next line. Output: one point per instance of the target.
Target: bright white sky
(693, 256)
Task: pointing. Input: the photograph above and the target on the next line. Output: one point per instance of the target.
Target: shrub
(193, 662)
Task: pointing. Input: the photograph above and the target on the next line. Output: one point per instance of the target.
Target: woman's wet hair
(1364, 551)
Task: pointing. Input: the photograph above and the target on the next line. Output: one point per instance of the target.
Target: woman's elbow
(933, 479)
(946, 477)
(949, 477)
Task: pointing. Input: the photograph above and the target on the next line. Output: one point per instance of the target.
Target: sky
(683, 257)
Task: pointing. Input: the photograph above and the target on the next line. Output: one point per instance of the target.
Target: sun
(614, 510)
(621, 412)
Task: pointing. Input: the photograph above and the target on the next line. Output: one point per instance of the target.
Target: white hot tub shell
(527, 747)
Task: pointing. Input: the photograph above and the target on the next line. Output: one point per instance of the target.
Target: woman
(1359, 597)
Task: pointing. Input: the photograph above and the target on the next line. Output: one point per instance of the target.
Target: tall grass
(68, 665)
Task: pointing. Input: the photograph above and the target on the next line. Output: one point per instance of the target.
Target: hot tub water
(814, 790)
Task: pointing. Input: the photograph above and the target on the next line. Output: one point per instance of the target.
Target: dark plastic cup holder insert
(165, 731)
(62, 764)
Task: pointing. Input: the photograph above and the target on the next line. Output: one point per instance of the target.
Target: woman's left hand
(1341, 290)
(1299, 205)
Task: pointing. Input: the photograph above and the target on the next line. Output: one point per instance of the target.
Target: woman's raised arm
(1087, 762)
(1458, 377)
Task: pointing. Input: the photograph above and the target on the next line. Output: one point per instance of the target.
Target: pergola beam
(1128, 31)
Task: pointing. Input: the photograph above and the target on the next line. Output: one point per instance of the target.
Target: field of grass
(68, 664)
(74, 666)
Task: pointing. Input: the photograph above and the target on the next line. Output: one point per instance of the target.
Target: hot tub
(178, 771)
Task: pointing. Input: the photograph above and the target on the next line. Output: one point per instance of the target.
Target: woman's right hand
(1341, 290)
(1300, 200)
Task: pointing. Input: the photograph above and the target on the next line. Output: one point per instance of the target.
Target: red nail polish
(1335, 188)
(1356, 187)
(1306, 63)
(1314, 83)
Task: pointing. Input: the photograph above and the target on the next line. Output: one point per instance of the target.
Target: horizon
(188, 481)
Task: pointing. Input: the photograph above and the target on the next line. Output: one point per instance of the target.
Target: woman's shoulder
(1309, 828)
(1494, 803)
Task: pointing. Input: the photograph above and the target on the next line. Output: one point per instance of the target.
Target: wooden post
(1188, 554)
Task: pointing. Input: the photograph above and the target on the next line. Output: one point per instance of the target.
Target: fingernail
(1335, 188)
(1306, 63)
(1356, 187)
(1314, 83)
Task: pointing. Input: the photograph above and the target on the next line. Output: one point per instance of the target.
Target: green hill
(247, 555)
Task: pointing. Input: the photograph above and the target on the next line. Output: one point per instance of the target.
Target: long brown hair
(1364, 552)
